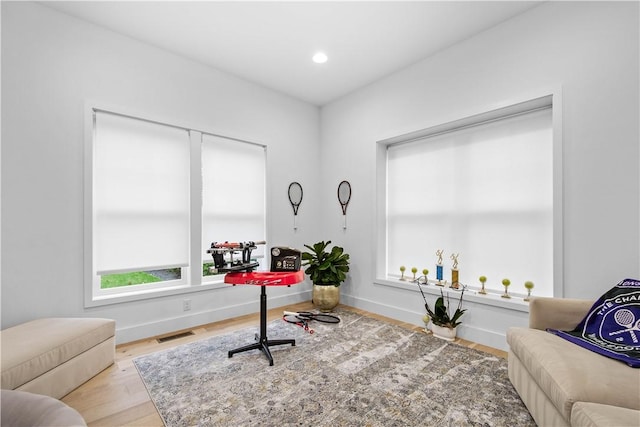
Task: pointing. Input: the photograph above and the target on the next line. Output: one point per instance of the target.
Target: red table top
(265, 278)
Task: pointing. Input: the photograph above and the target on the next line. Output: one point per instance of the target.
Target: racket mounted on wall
(223, 256)
(344, 196)
(295, 198)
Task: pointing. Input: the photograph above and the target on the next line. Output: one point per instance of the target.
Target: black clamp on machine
(283, 259)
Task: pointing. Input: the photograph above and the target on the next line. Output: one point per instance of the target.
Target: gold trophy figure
(455, 284)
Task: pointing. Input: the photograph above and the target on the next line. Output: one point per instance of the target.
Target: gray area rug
(360, 372)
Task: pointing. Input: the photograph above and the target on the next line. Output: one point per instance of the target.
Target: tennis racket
(344, 195)
(307, 315)
(303, 323)
(626, 319)
(295, 198)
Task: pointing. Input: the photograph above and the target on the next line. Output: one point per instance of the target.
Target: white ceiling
(271, 43)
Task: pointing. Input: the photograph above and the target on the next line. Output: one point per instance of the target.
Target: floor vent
(175, 337)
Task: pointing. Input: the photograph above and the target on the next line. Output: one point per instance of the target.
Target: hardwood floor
(118, 397)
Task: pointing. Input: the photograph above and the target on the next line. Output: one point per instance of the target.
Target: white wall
(590, 50)
(52, 64)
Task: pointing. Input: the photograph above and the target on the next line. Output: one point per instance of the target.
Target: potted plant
(443, 324)
(327, 271)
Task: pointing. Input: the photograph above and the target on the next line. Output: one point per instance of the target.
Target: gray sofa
(563, 384)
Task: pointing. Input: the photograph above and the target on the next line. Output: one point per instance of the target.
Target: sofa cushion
(541, 408)
(568, 373)
(20, 408)
(586, 414)
(33, 348)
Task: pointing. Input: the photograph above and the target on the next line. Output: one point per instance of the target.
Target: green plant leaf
(325, 268)
(440, 313)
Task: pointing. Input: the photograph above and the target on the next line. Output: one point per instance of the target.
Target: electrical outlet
(186, 305)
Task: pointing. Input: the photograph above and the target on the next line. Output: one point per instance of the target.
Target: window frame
(218, 278)
(192, 279)
(495, 111)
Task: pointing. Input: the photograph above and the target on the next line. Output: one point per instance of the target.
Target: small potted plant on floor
(327, 271)
(443, 324)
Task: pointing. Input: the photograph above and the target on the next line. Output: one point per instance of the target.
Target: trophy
(439, 267)
(506, 283)
(482, 279)
(528, 286)
(455, 284)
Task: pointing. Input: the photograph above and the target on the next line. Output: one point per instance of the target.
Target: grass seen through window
(139, 278)
(127, 279)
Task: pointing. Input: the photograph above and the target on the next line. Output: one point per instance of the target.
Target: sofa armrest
(557, 313)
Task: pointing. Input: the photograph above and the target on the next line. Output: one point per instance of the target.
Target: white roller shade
(140, 195)
(485, 192)
(234, 196)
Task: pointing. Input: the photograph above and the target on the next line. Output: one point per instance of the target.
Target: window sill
(516, 302)
(130, 296)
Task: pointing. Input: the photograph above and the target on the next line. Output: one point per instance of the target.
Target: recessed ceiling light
(320, 58)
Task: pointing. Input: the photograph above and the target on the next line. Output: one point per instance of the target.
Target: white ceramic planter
(441, 332)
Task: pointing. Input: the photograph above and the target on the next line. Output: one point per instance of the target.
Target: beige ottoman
(53, 356)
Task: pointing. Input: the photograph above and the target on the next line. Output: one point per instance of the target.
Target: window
(157, 195)
(233, 205)
(483, 188)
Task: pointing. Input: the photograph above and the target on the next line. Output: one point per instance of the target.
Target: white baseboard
(475, 333)
(469, 332)
(191, 320)
(484, 336)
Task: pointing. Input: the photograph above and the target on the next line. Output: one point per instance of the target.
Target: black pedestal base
(262, 342)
